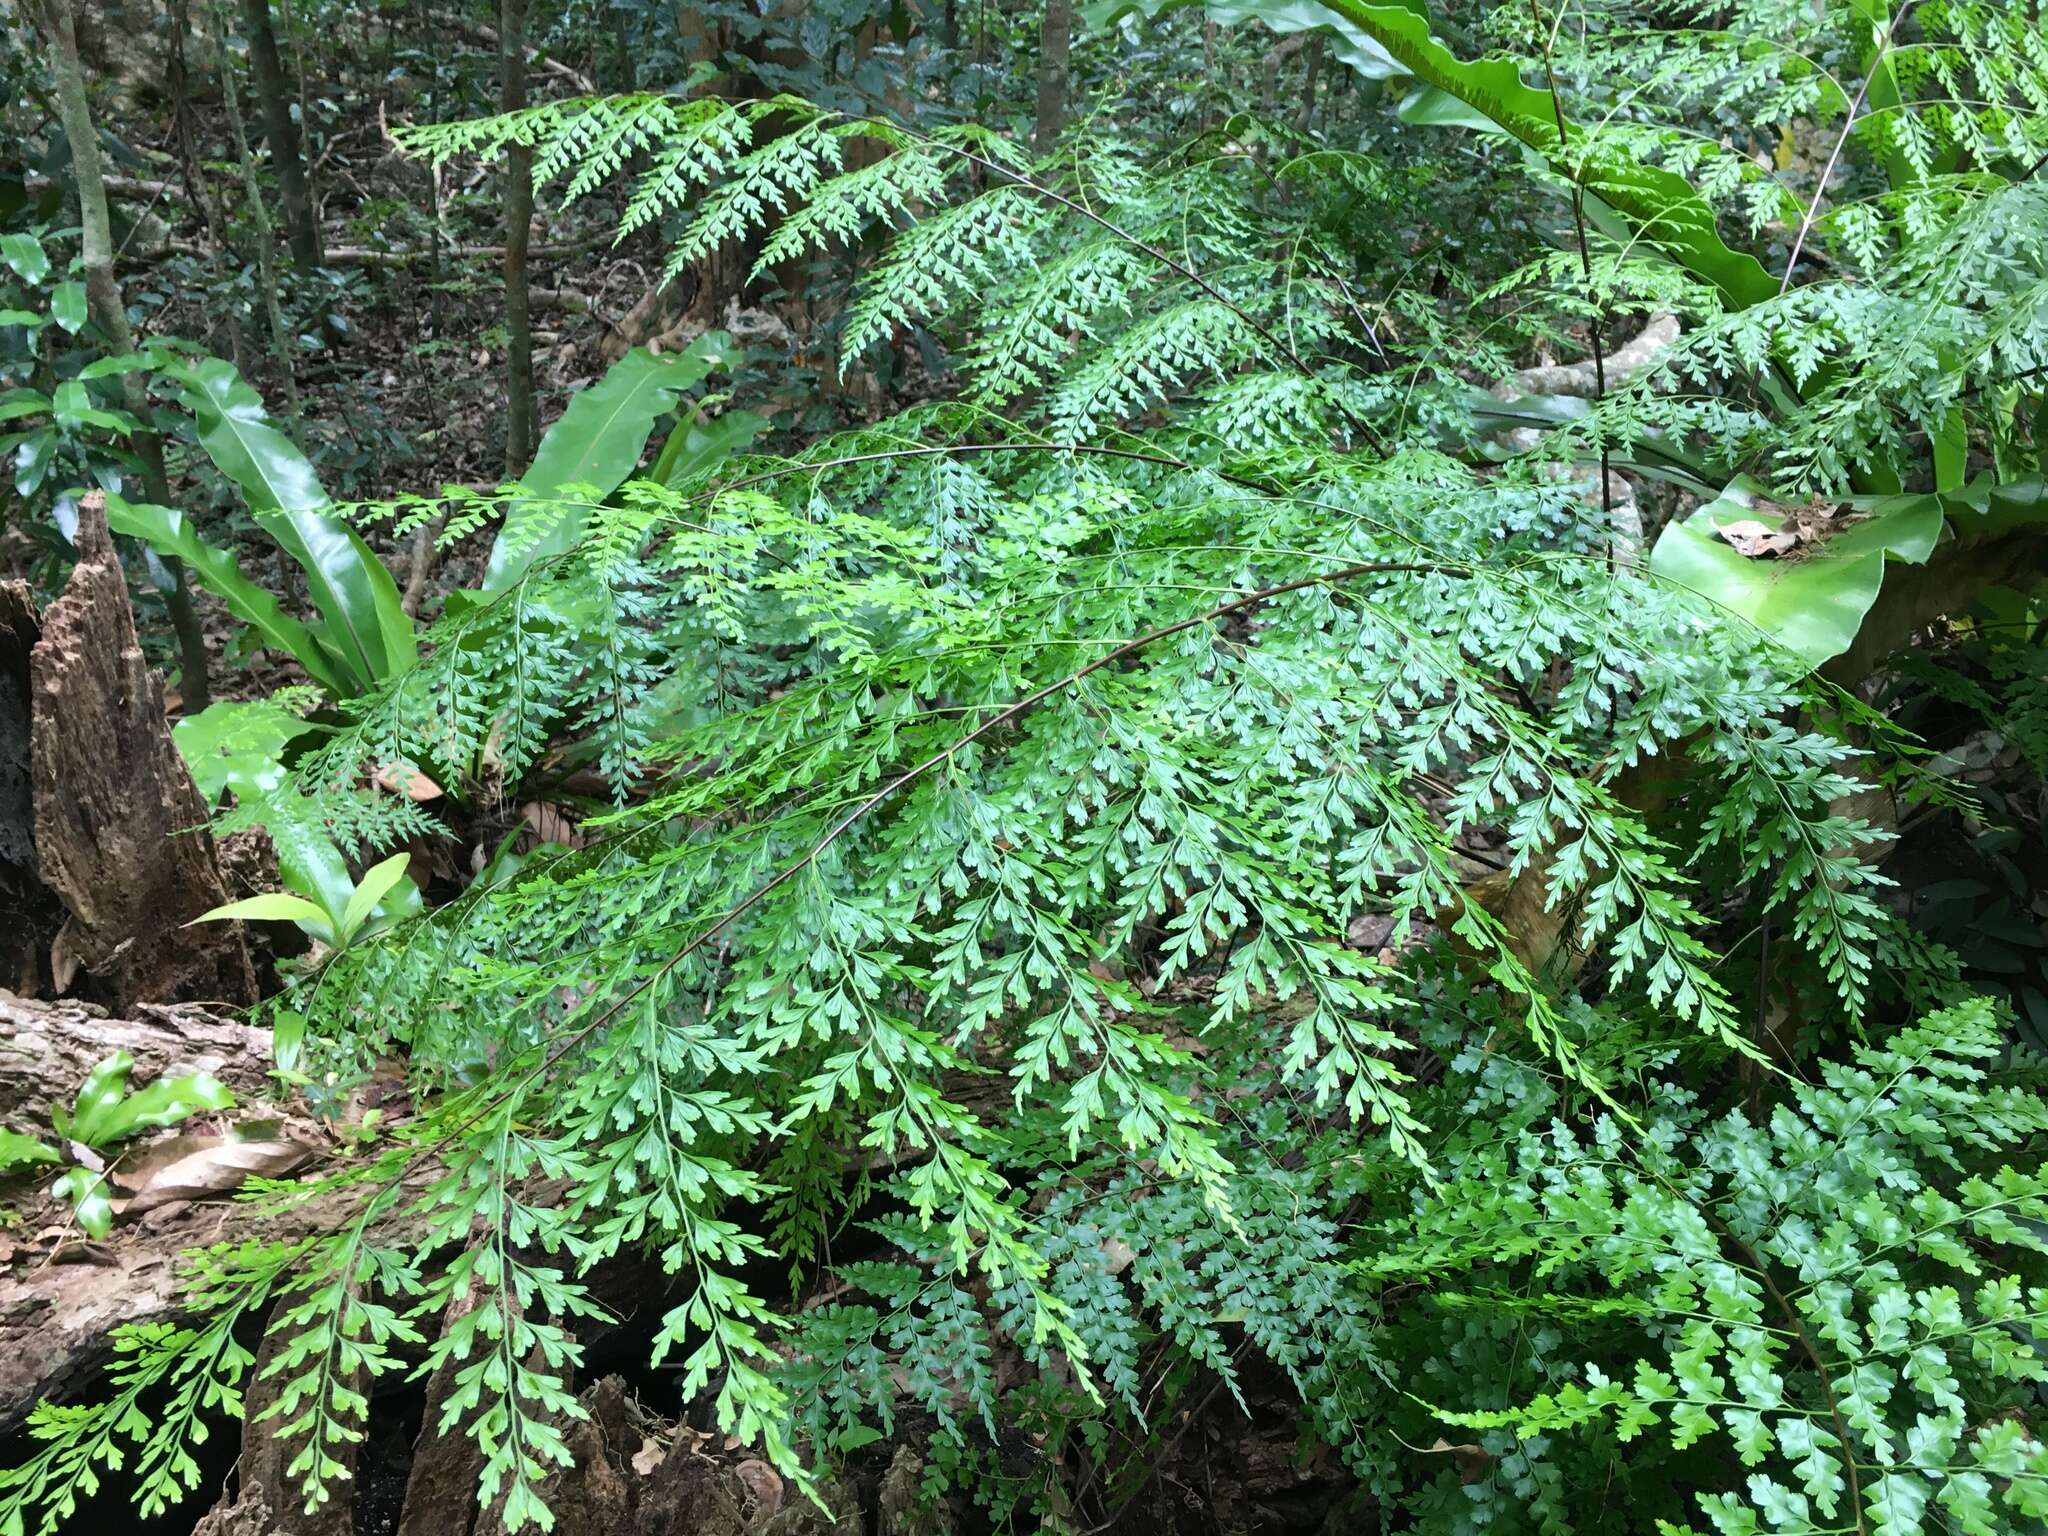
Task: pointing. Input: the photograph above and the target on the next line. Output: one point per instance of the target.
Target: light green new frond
(844, 207)
(1144, 363)
(769, 179)
(936, 262)
(707, 140)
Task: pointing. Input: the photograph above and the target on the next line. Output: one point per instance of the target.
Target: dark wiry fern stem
(1564, 147)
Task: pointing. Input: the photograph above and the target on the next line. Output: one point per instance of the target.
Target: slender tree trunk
(1308, 89)
(273, 99)
(519, 424)
(266, 238)
(1052, 72)
(305, 123)
(110, 313)
(196, 186)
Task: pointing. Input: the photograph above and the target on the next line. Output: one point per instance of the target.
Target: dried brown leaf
(404, 779)
(210, 1166)
(1758, 541)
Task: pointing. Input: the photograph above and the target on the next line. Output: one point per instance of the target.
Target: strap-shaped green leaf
(693, 447)
(363, 626)
(168, 532)
(1812, 604)
(597, 442)
(272, 907)
(105, 1111)
(376, 883)
(1661, 208)
(17, 1150)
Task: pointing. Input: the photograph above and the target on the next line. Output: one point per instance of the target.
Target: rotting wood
(120, 836)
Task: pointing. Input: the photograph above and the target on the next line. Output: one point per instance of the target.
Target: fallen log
(61, 1299)
(46, 1049)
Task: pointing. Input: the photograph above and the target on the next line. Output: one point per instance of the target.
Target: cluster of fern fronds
(1145, 861)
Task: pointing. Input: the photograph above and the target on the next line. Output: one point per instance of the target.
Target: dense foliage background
(1021, 742)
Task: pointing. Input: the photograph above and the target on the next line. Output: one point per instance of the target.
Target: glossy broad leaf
(169, 532)
(67, 306)
(1353, 47)
(90, 1199)
(377, 882)
(363, 626)
(106, 1112)
(238, 744)
(17, 403)
(72, 407)
(1812, 601)
(597, 442)
(694, 448)
(17, 1150)
(25, 254)
(272, 907)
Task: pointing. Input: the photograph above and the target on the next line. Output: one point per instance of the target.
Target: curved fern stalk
(340, 1335)
(170, 1380)
(1222, 797)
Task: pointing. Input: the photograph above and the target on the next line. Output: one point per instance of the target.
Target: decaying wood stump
(118, 828)
(29, 915)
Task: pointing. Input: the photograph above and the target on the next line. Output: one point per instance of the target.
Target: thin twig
(1848, 126)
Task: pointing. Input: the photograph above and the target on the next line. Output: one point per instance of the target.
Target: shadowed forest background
(810, 766)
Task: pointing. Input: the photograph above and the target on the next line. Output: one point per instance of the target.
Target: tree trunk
(273, 99)
(110, 312)
(1052, 72)
(519, 425)
(197, 191)
(1308, 87)
(266, 241)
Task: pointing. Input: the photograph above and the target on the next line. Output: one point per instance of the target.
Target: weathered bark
(110, 313)
(1052, 72)
(119, 827)
(519, 419)
(29, 915)
(47, 1048)
(273, 100)
(195, 188)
